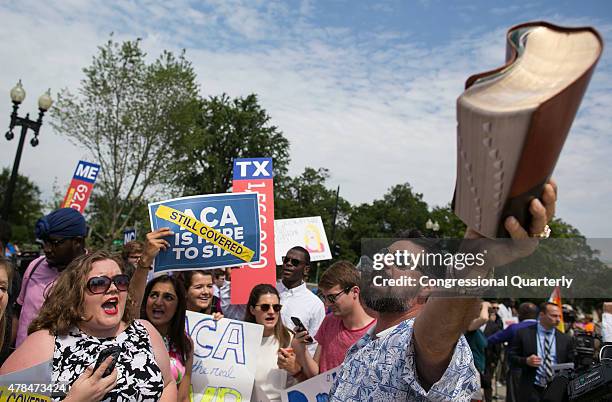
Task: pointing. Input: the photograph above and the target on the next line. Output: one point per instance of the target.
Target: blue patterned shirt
(384, 370)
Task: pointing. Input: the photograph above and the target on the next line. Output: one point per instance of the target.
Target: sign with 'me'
(81, 186)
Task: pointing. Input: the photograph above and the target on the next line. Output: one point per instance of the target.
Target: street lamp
(44, 103)
(434, 226)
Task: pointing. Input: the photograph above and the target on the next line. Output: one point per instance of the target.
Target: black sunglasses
(265, 307)
(331, 299)
(101, 284)
(294, 261)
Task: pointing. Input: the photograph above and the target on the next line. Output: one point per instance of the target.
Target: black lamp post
(44, 104)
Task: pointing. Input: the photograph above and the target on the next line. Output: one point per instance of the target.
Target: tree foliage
(125, 114)
(400, 210)
(25, 209)
(224, 129)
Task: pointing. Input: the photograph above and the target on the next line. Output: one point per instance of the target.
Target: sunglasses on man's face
(265, 307)
(331, 299)
(294, 261)
(101, 284)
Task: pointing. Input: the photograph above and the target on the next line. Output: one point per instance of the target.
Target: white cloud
(376, 108)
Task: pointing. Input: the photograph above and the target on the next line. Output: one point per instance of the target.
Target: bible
(513, 122)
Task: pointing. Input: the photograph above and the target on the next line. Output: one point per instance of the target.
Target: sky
(365, 89)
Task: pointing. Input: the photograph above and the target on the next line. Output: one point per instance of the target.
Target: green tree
(308, 195)
(224, 129)
(566, 253)
(126, 114)
(401, 209)
(450, 225)
(25, 209)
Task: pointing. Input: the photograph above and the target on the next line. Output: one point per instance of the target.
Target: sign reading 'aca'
(210, 231)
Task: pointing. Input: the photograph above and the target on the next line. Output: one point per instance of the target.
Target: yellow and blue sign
(210, 231)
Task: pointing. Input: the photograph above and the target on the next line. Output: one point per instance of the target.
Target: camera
(591, 384)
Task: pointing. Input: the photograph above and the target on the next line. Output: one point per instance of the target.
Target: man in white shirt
(297, 300)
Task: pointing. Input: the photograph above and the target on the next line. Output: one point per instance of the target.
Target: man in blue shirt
(417, 351)
(536, 349)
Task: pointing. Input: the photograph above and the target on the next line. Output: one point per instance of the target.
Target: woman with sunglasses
(164, 307)
(276, 358)
(84, 314)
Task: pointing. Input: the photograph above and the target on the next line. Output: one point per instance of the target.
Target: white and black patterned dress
(139, 377)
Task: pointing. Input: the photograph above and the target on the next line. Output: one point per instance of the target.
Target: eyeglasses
(331, 299)
(101, 284)
(265, 307)
(294, 261)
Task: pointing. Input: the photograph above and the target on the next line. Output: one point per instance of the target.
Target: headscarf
(62, 223)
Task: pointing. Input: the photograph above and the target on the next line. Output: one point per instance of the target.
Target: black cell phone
(113, 351)
(299, 327)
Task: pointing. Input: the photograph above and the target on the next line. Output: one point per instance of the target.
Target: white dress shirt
(300, 302)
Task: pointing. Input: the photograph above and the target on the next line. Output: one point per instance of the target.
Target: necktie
(548, 371)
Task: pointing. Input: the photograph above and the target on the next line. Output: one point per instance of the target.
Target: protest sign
(210, 231)
(256, 175)
(225, 357)
(306, 232)
(32, 384)
(129, 234)
(315, 389)
(81, 186)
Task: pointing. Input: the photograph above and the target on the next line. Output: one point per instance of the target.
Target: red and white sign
(256, 175)
(81, 186)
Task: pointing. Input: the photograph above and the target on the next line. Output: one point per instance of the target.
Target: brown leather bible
(513, 122)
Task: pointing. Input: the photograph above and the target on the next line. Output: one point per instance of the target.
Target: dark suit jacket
(524, 345)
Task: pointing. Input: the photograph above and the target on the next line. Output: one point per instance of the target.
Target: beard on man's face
(387, 299)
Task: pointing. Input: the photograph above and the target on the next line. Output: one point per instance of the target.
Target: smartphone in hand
(113, 351)
(299, 327)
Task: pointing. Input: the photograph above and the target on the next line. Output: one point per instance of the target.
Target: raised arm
(449, 318)
(482, 318)
(138, 283)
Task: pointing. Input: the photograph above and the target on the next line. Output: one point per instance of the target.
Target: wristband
(139, 265)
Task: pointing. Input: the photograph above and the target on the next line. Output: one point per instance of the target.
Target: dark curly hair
(63, 308)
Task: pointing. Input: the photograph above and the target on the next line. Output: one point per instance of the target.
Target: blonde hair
(63, 308)
(8, 267)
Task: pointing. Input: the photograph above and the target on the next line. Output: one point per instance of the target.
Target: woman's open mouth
(110, 306)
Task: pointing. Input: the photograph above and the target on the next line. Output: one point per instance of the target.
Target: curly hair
(63, 308)
(8, 267)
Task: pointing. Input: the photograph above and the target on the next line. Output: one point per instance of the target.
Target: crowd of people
(387, 343)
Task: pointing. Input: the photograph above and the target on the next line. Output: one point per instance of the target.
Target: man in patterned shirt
(417, 351)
